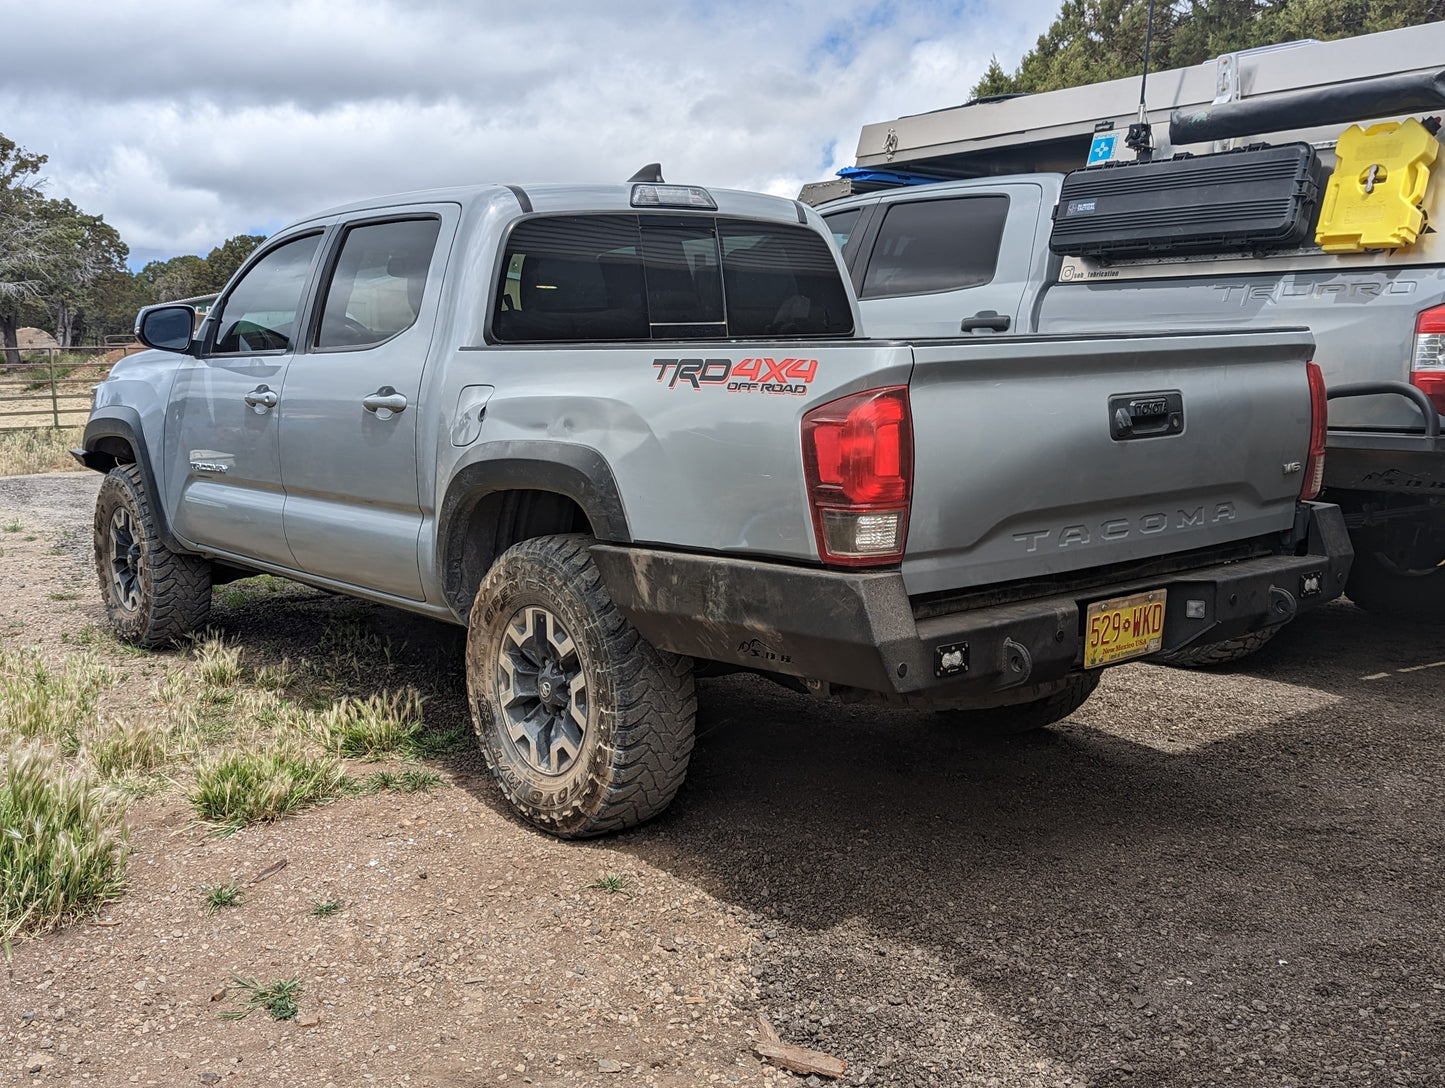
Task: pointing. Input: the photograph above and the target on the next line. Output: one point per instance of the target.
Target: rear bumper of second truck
(861, 630)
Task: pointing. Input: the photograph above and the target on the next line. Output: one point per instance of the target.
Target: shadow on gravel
(1263, 908)
(1112, 901)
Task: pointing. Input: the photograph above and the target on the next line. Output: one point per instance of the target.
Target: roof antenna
(1140, 138)
(652, 172)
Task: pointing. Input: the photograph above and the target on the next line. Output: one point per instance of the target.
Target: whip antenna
(1141, 136)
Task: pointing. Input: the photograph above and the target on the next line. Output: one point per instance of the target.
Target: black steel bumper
(1411, 463)
(859, 629)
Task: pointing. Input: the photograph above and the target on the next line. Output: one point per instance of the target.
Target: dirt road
(1231, 878)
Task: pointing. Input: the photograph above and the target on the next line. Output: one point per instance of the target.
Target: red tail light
(1319, 427)
(858, 457)
(1427, 368)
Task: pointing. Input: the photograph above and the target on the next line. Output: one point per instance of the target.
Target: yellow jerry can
(1373, 198)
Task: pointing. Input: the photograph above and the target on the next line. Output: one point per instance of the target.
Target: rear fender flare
(576, 472)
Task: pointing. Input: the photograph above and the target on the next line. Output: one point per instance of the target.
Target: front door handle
(261, 398)
(986, 319)
(386, 399)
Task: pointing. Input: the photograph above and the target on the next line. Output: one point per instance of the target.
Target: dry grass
(381, 725)
(53, 703)
(39, 449)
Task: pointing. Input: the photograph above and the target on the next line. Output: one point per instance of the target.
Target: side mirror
(167, 328)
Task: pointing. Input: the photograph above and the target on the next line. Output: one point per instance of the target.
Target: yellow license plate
(1122, 628)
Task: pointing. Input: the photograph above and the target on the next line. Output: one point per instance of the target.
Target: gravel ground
(1229, 878)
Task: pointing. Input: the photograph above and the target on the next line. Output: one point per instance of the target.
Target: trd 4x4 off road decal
(787, 376)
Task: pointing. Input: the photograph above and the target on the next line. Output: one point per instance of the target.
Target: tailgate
(1025, 467)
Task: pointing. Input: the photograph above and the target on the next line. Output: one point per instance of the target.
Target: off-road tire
(638, 702)
(1030, 717)
(153, 596)
(1216, 653)
(1379, 586)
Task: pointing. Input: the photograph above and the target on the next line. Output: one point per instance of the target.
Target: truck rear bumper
(859, 629)
(1379, 461)
(1385, 460)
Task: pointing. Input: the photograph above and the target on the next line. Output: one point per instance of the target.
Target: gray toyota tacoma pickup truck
(625, 433)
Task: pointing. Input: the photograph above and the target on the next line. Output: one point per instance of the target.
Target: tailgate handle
(1146, 415)
(986, 319)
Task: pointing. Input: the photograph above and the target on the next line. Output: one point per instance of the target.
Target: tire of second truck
(586, 727)
(152, 595)
(1379, 585)
(1029, 717)
(1217, 653)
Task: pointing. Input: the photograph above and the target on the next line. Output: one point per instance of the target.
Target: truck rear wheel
(152, 595)
(1029, 717)
(1216, 653)
(1378, 584)
(586, 727)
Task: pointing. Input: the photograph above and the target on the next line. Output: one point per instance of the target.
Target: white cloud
(187, 122)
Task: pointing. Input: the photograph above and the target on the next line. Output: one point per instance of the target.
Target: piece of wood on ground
(800, 1059)
(270, 870)
(766, 1030)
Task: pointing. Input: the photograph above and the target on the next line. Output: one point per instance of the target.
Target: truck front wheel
(586, 727)
(152, 595)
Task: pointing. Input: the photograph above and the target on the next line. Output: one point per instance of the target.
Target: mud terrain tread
(1005, 721)
(1216, 653)
(655, 704)
(176, 588)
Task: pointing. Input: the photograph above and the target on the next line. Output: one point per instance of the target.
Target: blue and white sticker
(1102, 149)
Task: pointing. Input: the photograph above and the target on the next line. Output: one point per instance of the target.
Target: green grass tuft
(278, 998)
(325, 908)
(63, 845)
(217, 896)
(250, 786)
(611, 883)
(371, 728)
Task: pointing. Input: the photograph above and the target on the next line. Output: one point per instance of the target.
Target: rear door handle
(986, 319)
(386, 399)
(262, 397)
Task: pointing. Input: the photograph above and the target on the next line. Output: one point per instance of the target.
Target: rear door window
(658, 277)
(377, 285)
(925, 246)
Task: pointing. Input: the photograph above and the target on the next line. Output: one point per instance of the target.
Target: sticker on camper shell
(1102, 149)
(788, 377)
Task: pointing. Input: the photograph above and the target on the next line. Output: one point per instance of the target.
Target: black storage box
(1252, 198)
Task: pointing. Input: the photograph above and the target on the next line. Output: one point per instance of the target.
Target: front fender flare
(122, 422)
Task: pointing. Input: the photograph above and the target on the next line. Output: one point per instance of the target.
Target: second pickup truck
(626, 432)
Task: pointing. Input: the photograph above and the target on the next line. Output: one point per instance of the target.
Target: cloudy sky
(184, 122)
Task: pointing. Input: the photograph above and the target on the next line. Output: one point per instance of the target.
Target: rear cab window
(927, 246)
(624, 277)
